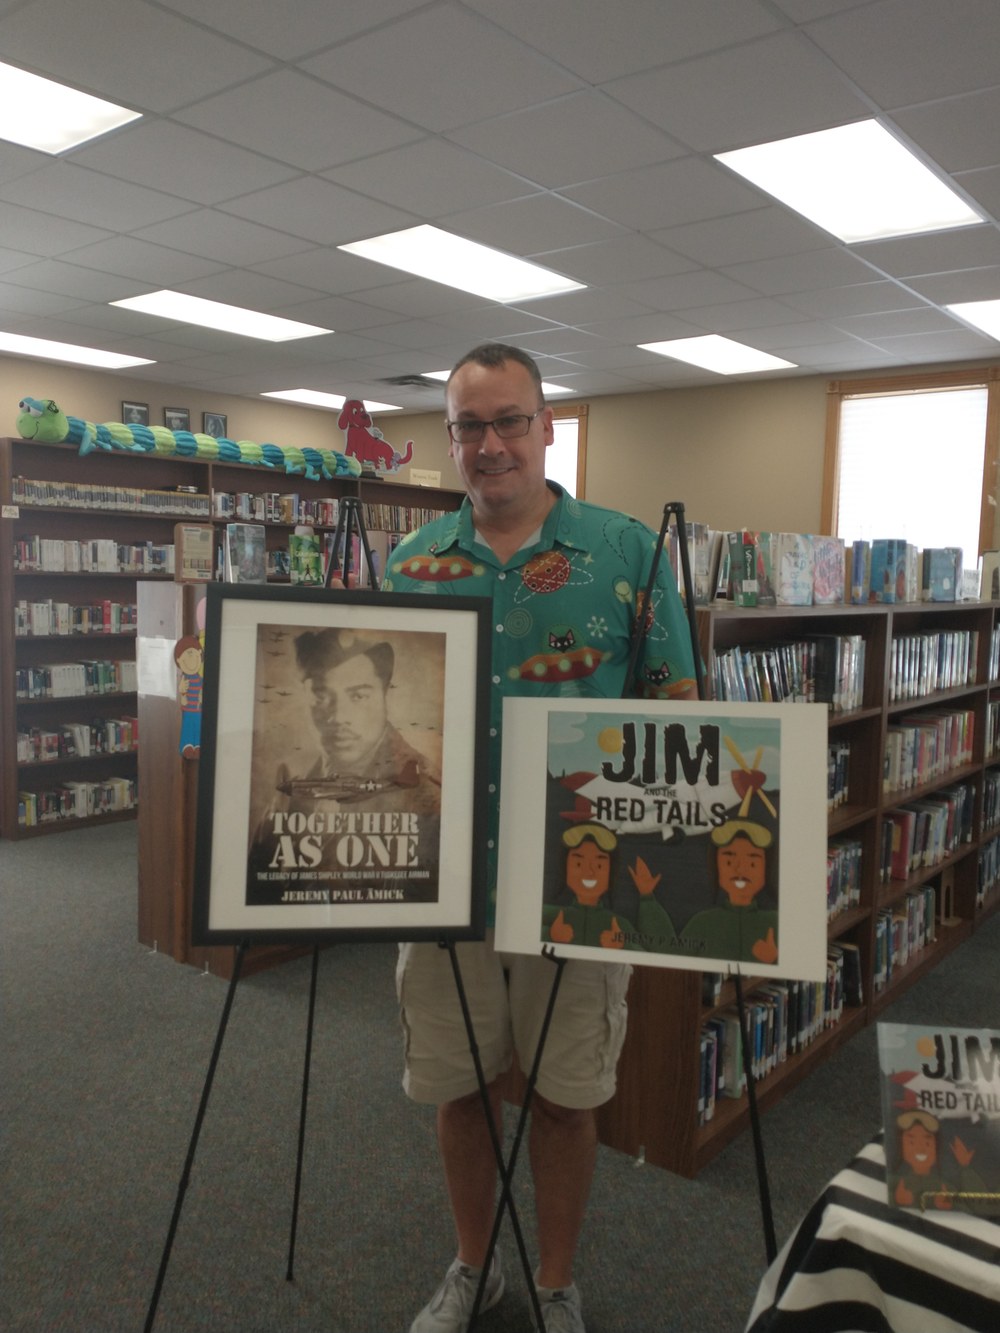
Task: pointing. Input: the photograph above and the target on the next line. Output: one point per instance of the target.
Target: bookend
(676, 508)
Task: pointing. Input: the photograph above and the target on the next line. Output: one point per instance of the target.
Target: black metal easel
(676, 509)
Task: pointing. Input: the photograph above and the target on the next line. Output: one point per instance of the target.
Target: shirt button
(499, 629)
(492, 787)
(496, 680)
(490, 843)
(501, 576)
(493, 731)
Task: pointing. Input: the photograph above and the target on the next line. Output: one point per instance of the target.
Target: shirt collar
(559, 526)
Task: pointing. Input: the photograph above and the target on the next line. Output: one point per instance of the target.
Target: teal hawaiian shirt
(563, 608)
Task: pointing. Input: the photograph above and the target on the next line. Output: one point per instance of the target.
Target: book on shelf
(828, 570)
(305, 561)
(764, 543)
(194, 552)
(861, 572)
(940, 1096)
(245, 559)
(743, 567)
(888, 570)
(793, 568)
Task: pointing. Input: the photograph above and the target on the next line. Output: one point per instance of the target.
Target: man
(364, 763)
(559, 573)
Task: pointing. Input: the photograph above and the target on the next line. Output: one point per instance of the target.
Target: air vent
(411, 382)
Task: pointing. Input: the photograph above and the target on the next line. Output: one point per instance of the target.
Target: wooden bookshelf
(131, 502)
(654, 1115)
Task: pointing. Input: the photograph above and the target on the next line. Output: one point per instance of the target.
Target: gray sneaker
(560, 1307)
(449, 1309)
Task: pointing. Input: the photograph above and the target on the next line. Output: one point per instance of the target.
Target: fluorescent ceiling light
(984, 315)
(855, 181)
(317, 398)
(432, 253)
(216, 315)
(49, 116)
(547, 388)
(713, 352)
(80, 356)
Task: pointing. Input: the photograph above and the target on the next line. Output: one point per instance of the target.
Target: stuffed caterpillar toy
(43, 420)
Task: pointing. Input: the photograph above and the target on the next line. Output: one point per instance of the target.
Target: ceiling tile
(442, 68)
(971, 284)
(740, 316)
(215, 235)
(189, 164)
(155, 265)
(318, 211)
(862, 299)
(685, 291)
(103, 201)
(290, 31)
(983, 187)
(802, 272)
(762, 233)
(24, 300)
(961, 343)
(775, 87)
(958, 134)
(430, 179)
(935, 252)
(905, 51)
(297, 120)
(896, 323)
(87, 284)
(629, 258)
(43, 233)
(650, 198)
(135, 53)
(532, 226)
(576, 138)
(326, 270)
(603, 41)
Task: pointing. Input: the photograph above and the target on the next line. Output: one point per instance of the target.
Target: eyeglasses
(507, 428)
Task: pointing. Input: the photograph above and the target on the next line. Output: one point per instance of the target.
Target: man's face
(349, 712)
(919, 1149)
(741, 868)
(499, 475)
(587, 872)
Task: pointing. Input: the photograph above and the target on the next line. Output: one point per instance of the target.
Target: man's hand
(963, 1155)
(561, 932)
(765, 950)
(612, 938)
(643, 878)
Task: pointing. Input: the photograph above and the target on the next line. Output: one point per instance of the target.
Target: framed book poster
(685, 835)
(342, 789)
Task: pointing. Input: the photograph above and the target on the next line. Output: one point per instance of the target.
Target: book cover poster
(674, 834)
(342, 785)
(940, 1090)
(345, 791)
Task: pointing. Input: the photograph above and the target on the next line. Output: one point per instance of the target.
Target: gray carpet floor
(105, 1050)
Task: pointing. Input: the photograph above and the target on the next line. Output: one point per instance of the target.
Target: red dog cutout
(365, 442)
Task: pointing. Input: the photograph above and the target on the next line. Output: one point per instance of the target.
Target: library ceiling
(577, 134)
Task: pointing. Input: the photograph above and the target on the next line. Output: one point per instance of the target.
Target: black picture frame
(289, 850)
(135, 414)
(215, 424)
(177, 418)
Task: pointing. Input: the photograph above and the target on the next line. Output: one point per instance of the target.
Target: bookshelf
(80, 536)
(655, 1112)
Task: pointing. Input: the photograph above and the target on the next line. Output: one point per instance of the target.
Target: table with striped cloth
(858, 1264)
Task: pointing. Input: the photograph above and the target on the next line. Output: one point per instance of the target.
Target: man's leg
(563, 1150)
(470, 1170)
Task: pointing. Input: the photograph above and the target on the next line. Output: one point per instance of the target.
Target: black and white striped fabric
(858, 1264)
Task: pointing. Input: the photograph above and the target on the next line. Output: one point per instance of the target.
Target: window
(566, 457)
(914, 458)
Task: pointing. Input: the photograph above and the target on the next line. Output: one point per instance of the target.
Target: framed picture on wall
(135, 414)
(177, 418)
(341, 790)
(214, 423)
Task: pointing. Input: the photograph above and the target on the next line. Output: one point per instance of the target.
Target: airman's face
(741, 869)
(348, 707)
(919, 1148)
(588, 871)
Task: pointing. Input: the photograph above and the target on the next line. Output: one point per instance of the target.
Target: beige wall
(746, 454)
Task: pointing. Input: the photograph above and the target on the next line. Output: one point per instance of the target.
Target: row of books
(843, 875)
(890, 569)
(991, 800)
(76, 800)
(838, 763)
(73, 680)
(273, 507)
(927, 832)
(103, 555)
(924, 747)
(72, 740)
(903, 931)
(919, 664)
(783, 1018)
(96, 495)
(827, 668)
(993, 670)
(397, 518)
(783, 569)
(46, 618)
(992, 729)
(989, 872)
